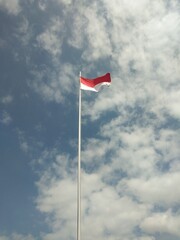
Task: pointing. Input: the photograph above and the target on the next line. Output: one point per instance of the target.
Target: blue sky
(130, 131)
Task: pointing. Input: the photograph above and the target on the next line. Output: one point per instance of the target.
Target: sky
(130, 131)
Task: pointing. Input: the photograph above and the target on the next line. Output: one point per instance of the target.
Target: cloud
(125, 191)
(111, 215)
(173, 102)
(51, 39)
(24, 32)
(65, 2)
(54, 84)
(16, 236)
(103, 209)
(160, 190)
(138, 42)
(7, 99)
(135, 39)
(164, 222)
(42, 4)
(11, 6)
(57, 197)
(96, 29)
(24, 145)
(145, 238)
(5, 118)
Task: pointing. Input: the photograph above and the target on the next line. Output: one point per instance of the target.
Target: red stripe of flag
(93, 82)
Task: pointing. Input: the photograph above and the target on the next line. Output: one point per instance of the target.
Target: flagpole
(79, 170)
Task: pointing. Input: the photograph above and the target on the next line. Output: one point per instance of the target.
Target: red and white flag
(96, 83)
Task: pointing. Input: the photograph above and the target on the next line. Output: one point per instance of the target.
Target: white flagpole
(79, 170)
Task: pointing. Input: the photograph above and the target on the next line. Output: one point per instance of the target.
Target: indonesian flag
(96, 83)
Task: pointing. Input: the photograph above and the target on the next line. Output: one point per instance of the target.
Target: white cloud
(173, 103)
(112, 210)
(109, 214)
(132, 150)
(51, 39)
(98, 45)
(120, 194)
(145, 238)
(5, 118)
(3, 238)
(167, 144)
(53, 85)
(102, 102)
(65, 2)
(22, 142)
(24, 32)
(42, 4)
(11, 6)
(103, 209)
(16, 236)
(57, 198)
(164, 222)
(7, 99)
(161, 190)
(24, 147)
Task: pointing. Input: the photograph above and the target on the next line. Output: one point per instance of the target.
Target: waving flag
(96, 83)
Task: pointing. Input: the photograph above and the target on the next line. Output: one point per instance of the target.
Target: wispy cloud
(54, 84)
(7, 99)
(50, 39)
(5, 118)
(16, 236)
(11, 6)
